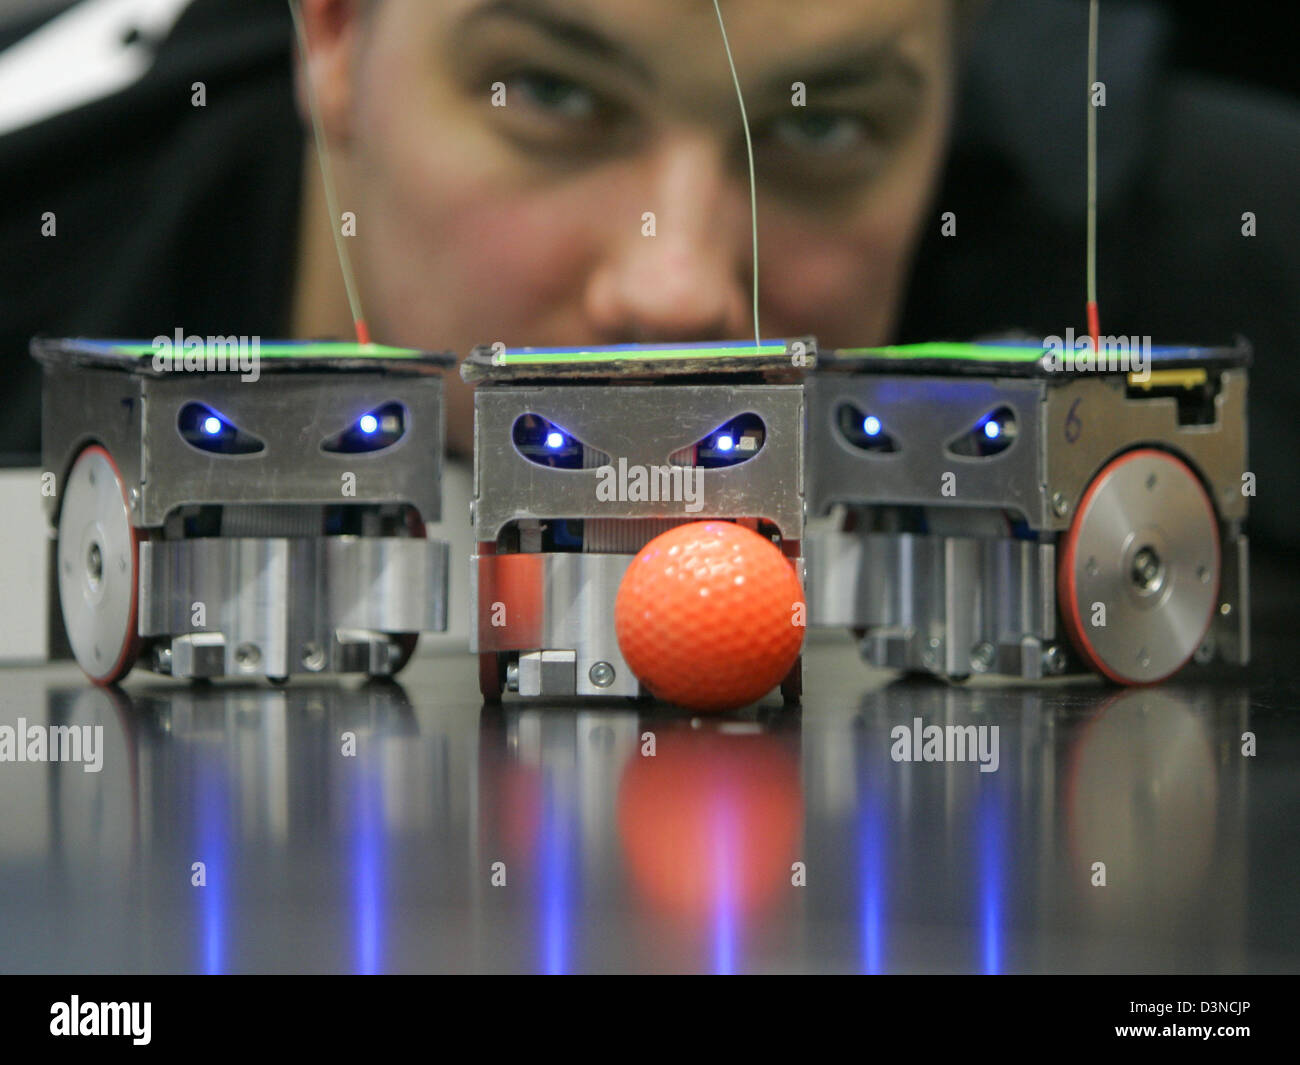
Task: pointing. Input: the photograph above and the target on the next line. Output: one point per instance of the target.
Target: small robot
(582, 456)
(222, 523)
(998, 513)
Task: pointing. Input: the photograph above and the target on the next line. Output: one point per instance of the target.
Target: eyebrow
(563, 28)
(852, 69)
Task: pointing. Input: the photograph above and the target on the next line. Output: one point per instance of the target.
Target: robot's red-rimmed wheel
(490, 681)
(792, 685)
(1138, 577)
(98, 561)
(406, 642)
(491, 665)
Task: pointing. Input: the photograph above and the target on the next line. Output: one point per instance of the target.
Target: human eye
(556, 96)
(840, 145)
(548, 112)
(816, 153)
(822, 132)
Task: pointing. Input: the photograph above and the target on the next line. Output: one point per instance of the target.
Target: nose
(690, 279)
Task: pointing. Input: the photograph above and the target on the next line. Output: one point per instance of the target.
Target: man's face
(526, 223)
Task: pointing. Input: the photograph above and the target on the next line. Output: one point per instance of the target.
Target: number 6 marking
(1073, 424)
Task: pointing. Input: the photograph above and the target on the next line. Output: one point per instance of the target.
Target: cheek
(525, 252)
(480, 252)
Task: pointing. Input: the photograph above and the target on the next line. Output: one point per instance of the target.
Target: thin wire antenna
(1094, 318)
(327, 179)
(749, 151)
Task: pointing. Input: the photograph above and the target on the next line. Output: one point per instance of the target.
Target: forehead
(679, 34)
(654, 14)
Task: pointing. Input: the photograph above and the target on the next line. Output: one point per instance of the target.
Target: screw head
(162, 658)
(930, 656)
(601, 674)
(94, 565)
(1148, 569)
(248, 655)
(1053, 660)
(981, 657)
(313, 657)
(1060, 505)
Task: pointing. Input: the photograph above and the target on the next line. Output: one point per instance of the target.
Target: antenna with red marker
(327, 179)
(1094, 318)
(749, 152)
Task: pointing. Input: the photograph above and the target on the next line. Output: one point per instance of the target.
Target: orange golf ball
(710, 616)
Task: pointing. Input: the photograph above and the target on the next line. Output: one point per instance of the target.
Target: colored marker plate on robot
(1020, 358)
(771, 359)
(155, 358)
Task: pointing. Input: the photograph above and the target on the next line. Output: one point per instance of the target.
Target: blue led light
(871, 425)
(554, 440)
(725, 443)
(368, 424)
(992, 429)
(212, 425)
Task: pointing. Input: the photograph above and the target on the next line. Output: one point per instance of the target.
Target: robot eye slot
(735, 441)
(544, 443)
(374, 430)
(208, 430)
(990, 435)
(864, 430)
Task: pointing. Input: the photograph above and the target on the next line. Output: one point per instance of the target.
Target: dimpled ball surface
(710, 616)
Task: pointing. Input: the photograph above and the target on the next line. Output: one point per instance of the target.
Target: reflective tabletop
(890, 824)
